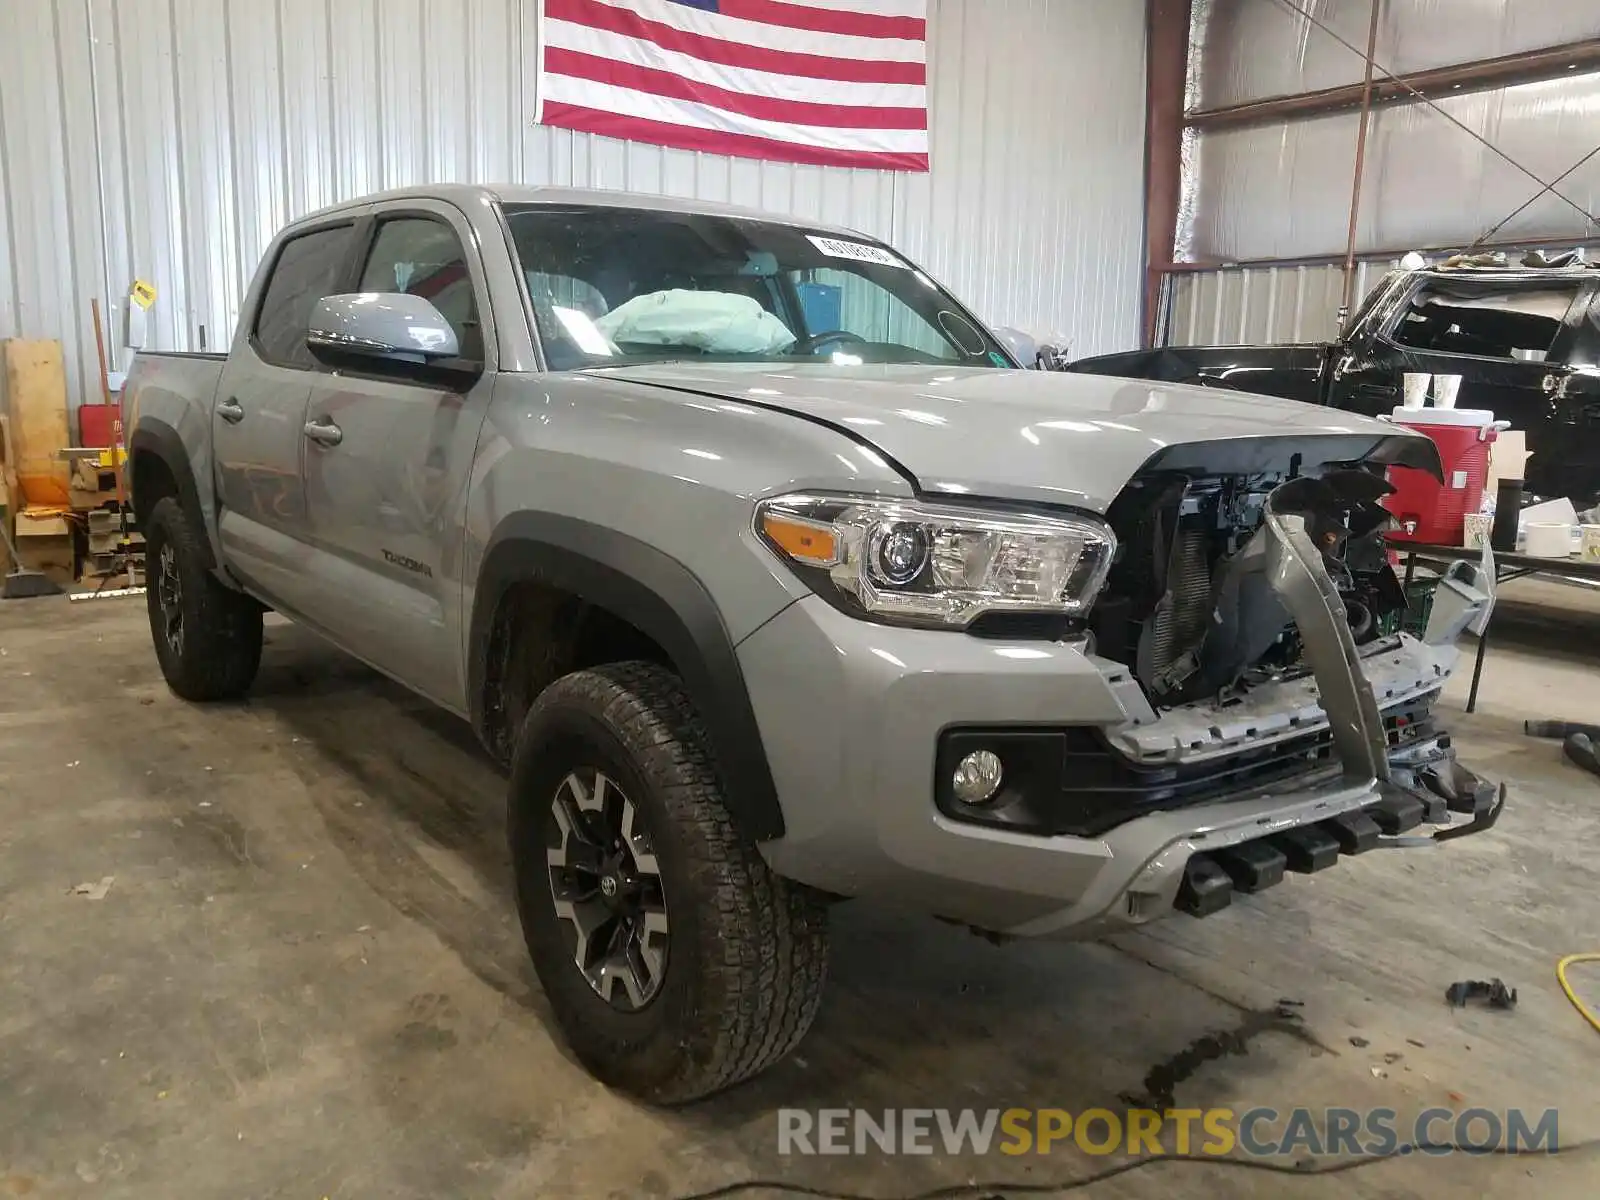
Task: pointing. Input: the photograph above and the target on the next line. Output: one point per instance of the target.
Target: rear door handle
(231, 411)
(324, 433)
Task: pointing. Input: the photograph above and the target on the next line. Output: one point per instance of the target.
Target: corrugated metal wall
(169, 139)
(1282, 190)
(1259, 48)
(1254, 305)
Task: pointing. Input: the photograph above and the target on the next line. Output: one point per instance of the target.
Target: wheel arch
(648, 591)
(159, 466)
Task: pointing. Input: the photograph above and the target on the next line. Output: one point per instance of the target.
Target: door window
(423, 257)
(1484, 321)
(306, 270)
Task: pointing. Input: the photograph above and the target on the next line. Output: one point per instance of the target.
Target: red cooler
(1430, 511)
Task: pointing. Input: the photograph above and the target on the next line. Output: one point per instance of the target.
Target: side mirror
(383, 325)
(1024, 349)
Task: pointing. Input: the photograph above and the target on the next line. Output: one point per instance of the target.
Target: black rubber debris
(1492, 992)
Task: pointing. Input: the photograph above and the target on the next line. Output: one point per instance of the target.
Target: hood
(1037, 436)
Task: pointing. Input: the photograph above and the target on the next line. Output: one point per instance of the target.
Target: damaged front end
(1261, 616)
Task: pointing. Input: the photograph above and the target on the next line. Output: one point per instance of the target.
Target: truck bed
(170, 394)
(171, 385)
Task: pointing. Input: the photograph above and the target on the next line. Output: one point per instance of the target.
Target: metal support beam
(1529, 66)
(1389, 254)
(1166, 70)
(1361, 162)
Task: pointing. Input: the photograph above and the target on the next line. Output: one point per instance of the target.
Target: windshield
(615, 286)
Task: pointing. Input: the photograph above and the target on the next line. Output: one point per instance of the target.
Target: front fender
(661, 598)
(640, 500)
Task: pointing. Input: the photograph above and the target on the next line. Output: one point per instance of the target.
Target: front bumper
(851, 714)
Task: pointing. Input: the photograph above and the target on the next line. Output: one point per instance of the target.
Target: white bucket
(1547, 539)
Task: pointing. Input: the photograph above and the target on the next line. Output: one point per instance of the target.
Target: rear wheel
(676, 962)
(207, 636)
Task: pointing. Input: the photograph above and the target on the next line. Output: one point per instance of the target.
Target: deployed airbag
(713, 322)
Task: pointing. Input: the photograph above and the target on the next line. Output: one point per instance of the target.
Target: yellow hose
(1561, 974)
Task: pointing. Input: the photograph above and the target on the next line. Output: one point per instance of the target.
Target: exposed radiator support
(1181, 617)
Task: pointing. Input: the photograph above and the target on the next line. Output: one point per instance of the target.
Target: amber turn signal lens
(813, 545)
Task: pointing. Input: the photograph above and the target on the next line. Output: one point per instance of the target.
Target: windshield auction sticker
(859, 251)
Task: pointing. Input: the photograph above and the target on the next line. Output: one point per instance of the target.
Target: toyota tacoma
(773, 581)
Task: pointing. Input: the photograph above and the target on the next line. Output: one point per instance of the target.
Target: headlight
(930, 565)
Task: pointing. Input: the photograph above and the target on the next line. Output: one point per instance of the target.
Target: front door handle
(324, 433)
(231, 411)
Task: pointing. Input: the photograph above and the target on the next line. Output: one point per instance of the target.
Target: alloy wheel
(169, 596)
(606, 885)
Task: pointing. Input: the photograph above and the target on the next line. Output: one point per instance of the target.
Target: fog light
(977, 777)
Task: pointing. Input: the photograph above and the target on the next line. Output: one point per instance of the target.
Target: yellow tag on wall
(143, 294)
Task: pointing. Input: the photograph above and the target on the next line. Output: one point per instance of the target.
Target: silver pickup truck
(773, 580)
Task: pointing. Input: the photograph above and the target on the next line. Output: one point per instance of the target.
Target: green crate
(1419, 604)
(1413, 619)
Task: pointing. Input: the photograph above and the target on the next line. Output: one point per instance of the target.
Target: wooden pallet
(93, 486)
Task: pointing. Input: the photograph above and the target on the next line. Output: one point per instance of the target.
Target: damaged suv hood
(1039, 436)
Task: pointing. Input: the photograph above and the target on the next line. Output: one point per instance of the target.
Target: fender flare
(661, 598)
(163, 441)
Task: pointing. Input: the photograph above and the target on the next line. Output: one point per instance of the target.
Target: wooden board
(10, 492)
(93, 486)
(44, 543)
(51, 557)
(42, 523)
(36, 402)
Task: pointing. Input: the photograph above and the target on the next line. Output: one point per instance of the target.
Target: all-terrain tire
(747, 955)
(214, 648)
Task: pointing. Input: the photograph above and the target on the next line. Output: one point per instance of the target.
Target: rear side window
(423, 257)
(1485, 321)
(307, 270)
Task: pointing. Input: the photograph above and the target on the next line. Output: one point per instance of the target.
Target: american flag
(831, 82)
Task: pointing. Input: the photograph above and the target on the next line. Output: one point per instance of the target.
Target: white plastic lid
(1474, 418)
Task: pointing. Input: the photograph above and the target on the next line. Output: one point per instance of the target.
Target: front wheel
(676, 962)
(207, 636)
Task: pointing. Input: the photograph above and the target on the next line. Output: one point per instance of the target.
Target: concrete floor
(306, 978)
